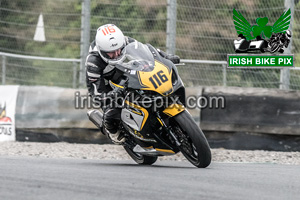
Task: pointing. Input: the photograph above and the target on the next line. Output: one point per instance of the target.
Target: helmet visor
(114, 56)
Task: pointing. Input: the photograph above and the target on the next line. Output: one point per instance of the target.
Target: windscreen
(139, 57)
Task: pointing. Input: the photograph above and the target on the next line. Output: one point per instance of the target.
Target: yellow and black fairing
(157, 77)
(161, 79)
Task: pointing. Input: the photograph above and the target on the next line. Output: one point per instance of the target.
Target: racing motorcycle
(148, 79)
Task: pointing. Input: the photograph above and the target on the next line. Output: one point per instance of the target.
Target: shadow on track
(156, 165)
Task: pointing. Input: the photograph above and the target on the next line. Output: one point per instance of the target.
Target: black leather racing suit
(98, 73)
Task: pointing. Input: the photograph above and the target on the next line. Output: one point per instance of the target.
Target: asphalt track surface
(45, 178)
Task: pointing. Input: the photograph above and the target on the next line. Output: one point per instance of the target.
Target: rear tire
(140, 159)
(195, 146)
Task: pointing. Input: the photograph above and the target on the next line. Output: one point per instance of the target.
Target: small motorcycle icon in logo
(3, 117)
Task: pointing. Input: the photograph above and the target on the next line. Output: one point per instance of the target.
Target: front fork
(168, 129)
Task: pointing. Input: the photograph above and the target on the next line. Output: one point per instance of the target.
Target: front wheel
(140, 159)
(274, 47)
(194, 145)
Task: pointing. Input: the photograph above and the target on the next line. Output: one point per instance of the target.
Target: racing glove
(174, 58)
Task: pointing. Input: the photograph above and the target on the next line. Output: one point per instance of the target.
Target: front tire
(194, 144)
(140, 159)
(274, 47)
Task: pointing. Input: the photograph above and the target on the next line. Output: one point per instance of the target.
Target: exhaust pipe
(96, 117)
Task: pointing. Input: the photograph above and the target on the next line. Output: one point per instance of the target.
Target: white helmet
(110, 38)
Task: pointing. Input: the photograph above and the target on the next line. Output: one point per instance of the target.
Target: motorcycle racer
(105, 51)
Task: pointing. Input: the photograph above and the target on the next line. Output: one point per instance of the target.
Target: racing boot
(115, 137)
(111, 125)
(110, 128)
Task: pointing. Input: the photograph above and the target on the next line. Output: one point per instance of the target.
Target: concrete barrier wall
(51, 110)
(253, 110)
(48, 114)
(49, 107)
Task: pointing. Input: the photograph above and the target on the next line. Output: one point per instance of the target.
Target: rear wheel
(194, 145)
(140, 159)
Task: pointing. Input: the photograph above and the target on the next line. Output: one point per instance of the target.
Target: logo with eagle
(260, 37)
